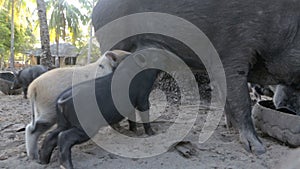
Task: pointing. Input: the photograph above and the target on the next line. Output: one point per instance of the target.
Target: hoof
(116, 126)
(62, 167)
(133, 129)
(33, 156)
(252, 143)
(150, 132)
(42, 162)
(66, 166)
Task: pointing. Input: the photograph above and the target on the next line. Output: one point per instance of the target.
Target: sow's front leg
(238, 106)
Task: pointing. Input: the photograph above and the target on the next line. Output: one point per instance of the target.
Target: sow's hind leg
(238, 107)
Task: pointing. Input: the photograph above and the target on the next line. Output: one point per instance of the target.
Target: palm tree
(65, 18)
(90, 6)
(44, 33)
(12, 40)
(20, 26)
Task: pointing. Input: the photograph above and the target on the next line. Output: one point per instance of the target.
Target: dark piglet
(24, 77)
(69, 131)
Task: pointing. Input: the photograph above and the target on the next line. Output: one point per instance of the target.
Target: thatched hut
(67, 54)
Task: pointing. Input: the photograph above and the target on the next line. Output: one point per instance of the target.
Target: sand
(222, 150)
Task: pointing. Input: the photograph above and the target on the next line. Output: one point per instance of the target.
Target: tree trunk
(1, 61)
(90, 44)
(91, 38)
(12, 41)
(46, 58)
(57, 64)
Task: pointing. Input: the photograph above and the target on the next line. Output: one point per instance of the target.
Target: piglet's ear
(112, 58)
(111, 55)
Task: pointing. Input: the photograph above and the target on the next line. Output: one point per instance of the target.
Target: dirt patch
(222, 150)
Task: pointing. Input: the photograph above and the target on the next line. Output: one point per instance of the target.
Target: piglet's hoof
(133, 129)
(42, 162)
(150, 132)
(62, 167)
(33, 156)
(66, 166)
(116, 126)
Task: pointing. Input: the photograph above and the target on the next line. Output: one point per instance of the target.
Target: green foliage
(88, 5)
(24, 38)
(5, 33)
(66, 20)
(95, 53)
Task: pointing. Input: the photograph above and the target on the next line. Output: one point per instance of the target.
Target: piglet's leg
(132, 122)
(145, 116)
(48, 145)
(66, 140)
(143, 107)
(25, 88)
(32, 134)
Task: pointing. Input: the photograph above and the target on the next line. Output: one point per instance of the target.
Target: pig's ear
(112, 58)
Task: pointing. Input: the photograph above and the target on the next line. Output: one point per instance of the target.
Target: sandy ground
(222, 150)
